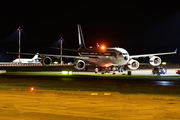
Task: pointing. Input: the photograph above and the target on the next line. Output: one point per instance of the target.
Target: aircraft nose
(125, 58)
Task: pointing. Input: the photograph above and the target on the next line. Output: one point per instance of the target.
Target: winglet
(175, 51)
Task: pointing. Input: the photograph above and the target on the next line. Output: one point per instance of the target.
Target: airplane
(26, 60)
(115, 58)
(109, 57)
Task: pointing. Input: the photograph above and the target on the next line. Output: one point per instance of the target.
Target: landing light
(55, 62)
(106, 66)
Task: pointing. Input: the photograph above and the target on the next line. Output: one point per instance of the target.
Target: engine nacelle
(133, 64)
(46, 61)
(155, 61)
(79, 64)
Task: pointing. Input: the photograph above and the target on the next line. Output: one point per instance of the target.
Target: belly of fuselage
(104, 61)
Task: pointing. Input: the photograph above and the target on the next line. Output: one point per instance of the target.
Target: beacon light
(103, 47)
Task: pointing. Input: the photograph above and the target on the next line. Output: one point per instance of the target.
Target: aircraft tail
(36, 56)
(81, 38)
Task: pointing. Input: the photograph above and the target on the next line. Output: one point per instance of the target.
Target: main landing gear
(115, 69)
(119, 69)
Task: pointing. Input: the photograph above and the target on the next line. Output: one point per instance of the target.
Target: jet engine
(155, 61)
(79, 64)
(46, 61)
(133, 64)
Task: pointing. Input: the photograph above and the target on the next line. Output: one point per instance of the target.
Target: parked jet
(26, 60)
(103, 57)
(107, 57)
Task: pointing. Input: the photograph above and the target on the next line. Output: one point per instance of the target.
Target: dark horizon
(138, 28)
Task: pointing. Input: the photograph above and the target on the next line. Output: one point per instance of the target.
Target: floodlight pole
(19, 43)
(61, 49)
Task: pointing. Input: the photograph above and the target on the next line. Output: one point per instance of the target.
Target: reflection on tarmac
(167, 83)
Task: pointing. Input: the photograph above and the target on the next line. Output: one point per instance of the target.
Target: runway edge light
(163, 63)
(67, 72)
(64, 72)
(70, 72)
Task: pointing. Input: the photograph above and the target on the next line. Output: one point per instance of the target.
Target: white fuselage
(107, 57)
(25, 60)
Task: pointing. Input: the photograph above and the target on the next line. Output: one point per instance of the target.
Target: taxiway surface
(71, 68)
(118, 105)
(21, 105)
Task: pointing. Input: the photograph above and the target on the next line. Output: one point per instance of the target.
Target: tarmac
(26, 105)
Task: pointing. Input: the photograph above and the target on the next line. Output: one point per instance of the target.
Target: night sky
(138, 28)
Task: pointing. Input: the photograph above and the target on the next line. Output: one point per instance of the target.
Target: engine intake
(155, 61)
(79, 65)
(46, 61)
(133, 64)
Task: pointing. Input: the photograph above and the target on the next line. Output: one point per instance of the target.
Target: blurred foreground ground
(25, 105)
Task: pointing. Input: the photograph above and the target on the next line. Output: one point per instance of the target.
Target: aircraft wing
(65, 49)
(149, 55)
(66, 56)
(50, 55)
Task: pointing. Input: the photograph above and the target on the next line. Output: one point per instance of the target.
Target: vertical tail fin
(81, 38)
(36, 56)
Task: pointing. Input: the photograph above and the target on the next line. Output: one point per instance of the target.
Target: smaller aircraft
(26, 60)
